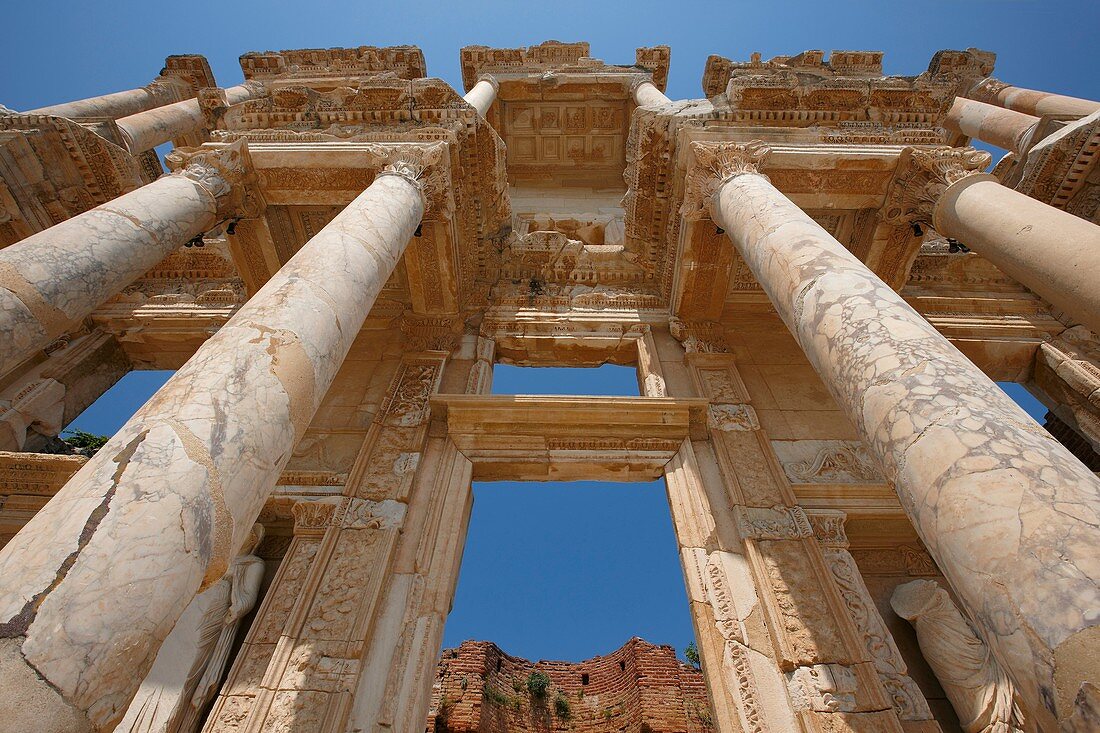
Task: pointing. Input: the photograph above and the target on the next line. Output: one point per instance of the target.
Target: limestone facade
(814, 275)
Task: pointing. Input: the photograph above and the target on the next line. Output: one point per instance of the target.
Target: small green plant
(702, 712)
(464, 683)
(561, 707)
(496, 697)
(692, 655)
(85, 443)
(608, 714)
(538, 684)
(517, 685)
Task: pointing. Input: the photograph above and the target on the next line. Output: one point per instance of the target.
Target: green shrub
(496, 697)
(692, 655)
(538, 684)
(561, 707)
(86, 444)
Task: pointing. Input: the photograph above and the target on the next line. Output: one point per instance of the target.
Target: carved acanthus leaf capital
(699, 337)
(828, 526)
(712, 165)
(923, 175)
(312, 517)
(987, 90)
(225, 172)
(426, 167)
(213, 102)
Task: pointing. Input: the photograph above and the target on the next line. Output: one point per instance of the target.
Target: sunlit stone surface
(816, 278)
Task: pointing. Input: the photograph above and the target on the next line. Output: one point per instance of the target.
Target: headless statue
(975, 683)
(189, 666)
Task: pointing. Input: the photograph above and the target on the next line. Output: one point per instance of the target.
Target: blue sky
(560, 571)
(59, 51)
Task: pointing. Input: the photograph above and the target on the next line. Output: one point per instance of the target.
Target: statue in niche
(978, 688)
(189, 666)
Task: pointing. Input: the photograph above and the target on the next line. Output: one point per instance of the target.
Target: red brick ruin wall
(640, 688)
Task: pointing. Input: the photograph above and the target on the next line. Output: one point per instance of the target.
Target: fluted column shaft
(1008, 513)
(97, 579)
(995, 125)
(146, 130)
(53, 279)
(1052, 252)
(113, 106)
(1031, 101)
(483, 94)
(646, 94)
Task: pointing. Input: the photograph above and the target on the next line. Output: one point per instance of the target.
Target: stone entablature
(320, 67)
(556, 58)
(804, 90)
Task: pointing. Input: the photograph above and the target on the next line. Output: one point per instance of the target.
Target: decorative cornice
(923, 174)
(712, 165)
(425, 166)
(225, 172)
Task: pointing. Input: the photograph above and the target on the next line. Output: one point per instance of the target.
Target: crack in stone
(19, 624)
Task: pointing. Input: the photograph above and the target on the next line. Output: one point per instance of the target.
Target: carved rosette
(712, 165)
(225, 172)
(923, 174)
(426, 167)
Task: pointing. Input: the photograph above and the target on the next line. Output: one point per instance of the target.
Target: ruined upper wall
(639, 686)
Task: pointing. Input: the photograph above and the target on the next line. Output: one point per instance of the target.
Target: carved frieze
(773, 523)
(407, 403)
(406, 62)
(1061, 169)
(826, 462)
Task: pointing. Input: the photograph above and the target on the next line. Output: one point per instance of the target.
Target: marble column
(646, 94)
(1008, 513)
(1031, 101)
(1052, 252)
(482, 95)
(118, 104)
(988, 123)
(51, 280)
(146, 130)
(96, 580)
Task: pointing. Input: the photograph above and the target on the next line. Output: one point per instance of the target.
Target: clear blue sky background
(560, 571)
(57, 51)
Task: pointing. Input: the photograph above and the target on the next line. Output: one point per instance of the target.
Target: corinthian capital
(923, 175)
(712, 165)
(426, 166)
(225, 172)
(987, 90)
